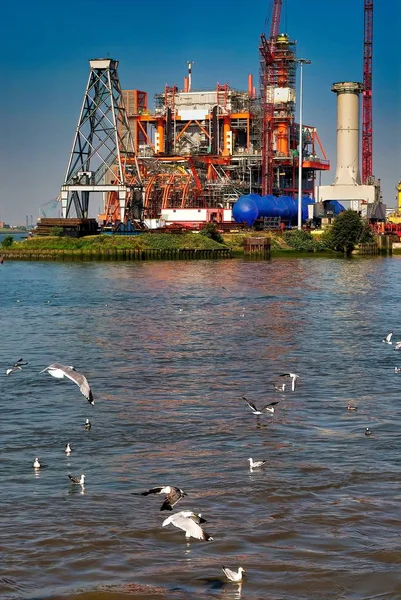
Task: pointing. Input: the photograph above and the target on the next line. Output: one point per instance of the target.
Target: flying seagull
(256, 411)
(280, 387)
(293, 377)
(387, 339)
(190, 523)
(172, 495)
(397, 369)
(16, 367)
(397, 346)
(77, 481)
(59, 371)
(256, 464)
(36, 463)
(68, 448)
(232, 575)
(88, 424)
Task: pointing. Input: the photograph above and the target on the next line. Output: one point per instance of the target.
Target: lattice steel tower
(102, 157)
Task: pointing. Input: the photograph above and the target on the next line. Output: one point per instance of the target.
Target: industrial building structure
(198, 151)
(189, 159)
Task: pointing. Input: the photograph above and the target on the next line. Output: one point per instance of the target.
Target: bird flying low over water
(397, 346)
(16, 367)
(256, 464)
(387, 339)
(172, 495)
(280, 387)
(293, 377)
(80, 481)
(59, 371)
(268, 408)
(190, 523)
(232, 575)
(397, 369)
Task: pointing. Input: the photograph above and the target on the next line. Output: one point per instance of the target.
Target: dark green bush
(302, 241)
(56, 231)
(7, 241)
(210, 230)
(347, 230)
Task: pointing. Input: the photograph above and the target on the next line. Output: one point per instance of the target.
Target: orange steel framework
(204, 148)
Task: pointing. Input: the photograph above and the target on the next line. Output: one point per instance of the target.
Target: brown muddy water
(169, 352)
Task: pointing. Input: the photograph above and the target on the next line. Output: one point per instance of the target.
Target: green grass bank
(159, 246)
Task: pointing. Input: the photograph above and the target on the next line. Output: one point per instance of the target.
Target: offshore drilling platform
(190, 158)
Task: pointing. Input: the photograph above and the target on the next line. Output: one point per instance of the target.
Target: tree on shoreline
(7, 241)
(348, 230)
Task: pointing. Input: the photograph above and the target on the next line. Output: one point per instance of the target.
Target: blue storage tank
(251, 207)
(246, 209)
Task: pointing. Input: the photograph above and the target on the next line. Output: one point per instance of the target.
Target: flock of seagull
(60, 371)
(186, 520)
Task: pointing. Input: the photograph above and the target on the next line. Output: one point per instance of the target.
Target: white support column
(122, 197)
(64, 199)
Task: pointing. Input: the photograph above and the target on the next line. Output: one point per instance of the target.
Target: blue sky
(46, 47)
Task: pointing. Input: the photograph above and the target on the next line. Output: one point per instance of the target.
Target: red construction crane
(367, 133)
(267, 83)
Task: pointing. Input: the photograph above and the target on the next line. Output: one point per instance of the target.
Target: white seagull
(59, 371)
(268, 408)
(88, 424)
(16, 367)
(293, 377)
(397, 346)
(68, 448)
(80, 481)
(256, 464)
(190, 523)
(397, 369)
(232, 575)
(280, 387)
(387, 339)
(36, 463)
(172, 495)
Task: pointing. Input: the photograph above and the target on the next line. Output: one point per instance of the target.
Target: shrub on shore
(7, 241)
(347, 230)
(303, 241)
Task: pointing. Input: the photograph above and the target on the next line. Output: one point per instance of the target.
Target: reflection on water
(321, 520)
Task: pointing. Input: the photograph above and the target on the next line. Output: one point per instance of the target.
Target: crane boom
(367, 129)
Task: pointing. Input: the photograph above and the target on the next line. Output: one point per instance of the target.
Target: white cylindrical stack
(347, 172)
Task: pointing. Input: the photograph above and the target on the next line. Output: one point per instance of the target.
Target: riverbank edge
(155, 254)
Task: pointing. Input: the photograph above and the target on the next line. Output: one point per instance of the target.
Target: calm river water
(169, 348)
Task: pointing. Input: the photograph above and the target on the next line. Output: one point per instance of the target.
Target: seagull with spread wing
(293, 377)
(172, 495)
(16, 366)
(268, 408)
(190, 523)
(387, 339)
(60, 371)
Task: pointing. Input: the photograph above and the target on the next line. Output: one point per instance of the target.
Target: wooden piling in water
(257, 247)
